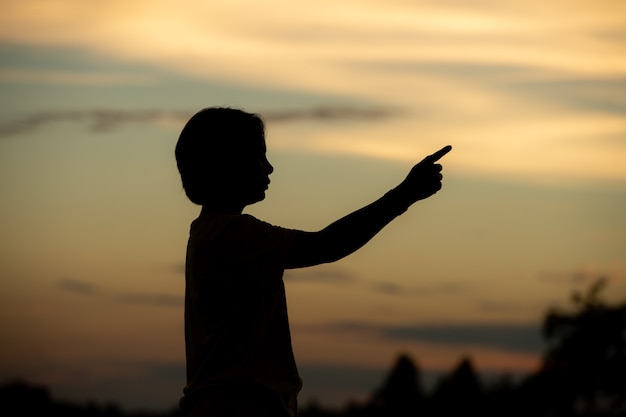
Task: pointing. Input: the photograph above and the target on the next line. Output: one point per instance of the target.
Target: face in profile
(250, 173)
(257, 176)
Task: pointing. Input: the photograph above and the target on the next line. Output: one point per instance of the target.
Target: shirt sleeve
(255, 250)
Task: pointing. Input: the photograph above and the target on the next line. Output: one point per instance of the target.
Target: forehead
(250, 145)
(253, 142)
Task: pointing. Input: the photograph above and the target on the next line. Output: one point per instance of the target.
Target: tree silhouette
(401, 394)
(584, 369)
(460, 393)
(19, 398)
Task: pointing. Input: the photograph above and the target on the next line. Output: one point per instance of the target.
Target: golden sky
(532, 95)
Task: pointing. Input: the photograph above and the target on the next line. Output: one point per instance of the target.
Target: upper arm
(311, 248)
(343, 236)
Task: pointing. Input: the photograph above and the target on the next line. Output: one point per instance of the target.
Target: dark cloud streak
(450, 287)
(78, 287)
(105, 120)
(325, 275)
(162, 300)
(513, 337)
(99, 120)
(153, 299)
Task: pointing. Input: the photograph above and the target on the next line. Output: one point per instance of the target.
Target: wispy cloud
(76, 286)
(91, 78)
(98, 120)
(449, 287)
(389, 288)
(585, 275)
(510, 336)
(314, 47)
(498, 79)
(162, 300)
(333, 275)
(177, 267)
(108, 119)
(86, 288)
(499, 307)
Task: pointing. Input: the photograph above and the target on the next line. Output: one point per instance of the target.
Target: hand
(424, 179)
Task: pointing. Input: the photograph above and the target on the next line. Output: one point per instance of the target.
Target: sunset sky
(531, 95)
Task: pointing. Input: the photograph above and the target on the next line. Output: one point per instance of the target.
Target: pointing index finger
(439, 154)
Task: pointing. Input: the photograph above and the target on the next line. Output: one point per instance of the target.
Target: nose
(268, 167)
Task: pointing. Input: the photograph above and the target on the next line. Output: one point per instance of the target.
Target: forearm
(348, 234)
(351, 232)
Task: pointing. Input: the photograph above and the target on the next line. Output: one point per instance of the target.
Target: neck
(222, 209)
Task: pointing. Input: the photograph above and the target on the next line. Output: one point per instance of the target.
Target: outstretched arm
(351, 232)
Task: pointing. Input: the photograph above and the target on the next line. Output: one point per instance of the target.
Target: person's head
(221, 158)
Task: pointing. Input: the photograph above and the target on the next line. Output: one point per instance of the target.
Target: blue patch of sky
(141, 86)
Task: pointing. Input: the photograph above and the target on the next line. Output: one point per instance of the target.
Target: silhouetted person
(238, 345)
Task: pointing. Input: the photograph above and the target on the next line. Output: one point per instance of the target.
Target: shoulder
(254, 225)
(239, 226)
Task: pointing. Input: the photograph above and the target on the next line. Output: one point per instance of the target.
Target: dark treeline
(583, 373)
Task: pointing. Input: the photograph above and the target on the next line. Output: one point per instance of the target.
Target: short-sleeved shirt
(237, 338)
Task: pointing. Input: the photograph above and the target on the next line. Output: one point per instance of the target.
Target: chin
(256, 199)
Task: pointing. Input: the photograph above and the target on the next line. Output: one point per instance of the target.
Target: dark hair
(210, 141)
